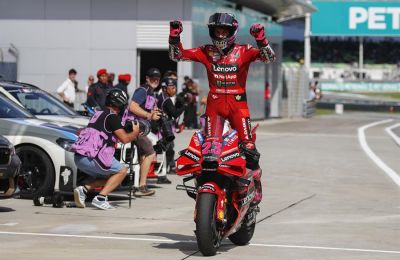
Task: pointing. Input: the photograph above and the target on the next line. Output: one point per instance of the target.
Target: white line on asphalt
(364, 145)
(192, 241)
(292, 134)
(330, 248)
(393, 135)
(9, 224)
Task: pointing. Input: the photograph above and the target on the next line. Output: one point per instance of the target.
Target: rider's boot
(257, 183)
(252, 159)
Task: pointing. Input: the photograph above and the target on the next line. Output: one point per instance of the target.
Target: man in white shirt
(67, 89)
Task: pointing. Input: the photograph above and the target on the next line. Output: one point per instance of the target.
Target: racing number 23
(213, 147)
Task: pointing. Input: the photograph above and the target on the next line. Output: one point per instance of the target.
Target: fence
(295, 98)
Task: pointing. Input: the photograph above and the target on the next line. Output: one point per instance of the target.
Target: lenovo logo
(192, 155)
(225, 68)
(230, 157)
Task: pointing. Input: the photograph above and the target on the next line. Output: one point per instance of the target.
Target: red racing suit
(227, 76)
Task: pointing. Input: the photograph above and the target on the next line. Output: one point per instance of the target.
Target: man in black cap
(144, 106)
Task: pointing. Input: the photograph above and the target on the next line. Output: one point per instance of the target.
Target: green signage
(356, 18)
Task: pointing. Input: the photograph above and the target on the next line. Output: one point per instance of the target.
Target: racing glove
(258, 32)
(266, 52)
(175, 29)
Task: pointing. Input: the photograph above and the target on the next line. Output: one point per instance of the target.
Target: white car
(40, 103)
(46, 167)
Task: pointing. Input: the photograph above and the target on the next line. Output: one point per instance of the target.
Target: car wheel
(37, 175)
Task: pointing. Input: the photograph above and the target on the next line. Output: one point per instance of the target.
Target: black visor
(221, 19)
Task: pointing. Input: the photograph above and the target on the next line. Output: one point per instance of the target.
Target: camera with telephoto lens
(166, 126)
(144, 126)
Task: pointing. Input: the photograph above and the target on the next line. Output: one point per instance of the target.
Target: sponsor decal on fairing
(230, 157)
(191, 155)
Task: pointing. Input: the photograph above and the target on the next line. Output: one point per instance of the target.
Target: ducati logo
(238, 97)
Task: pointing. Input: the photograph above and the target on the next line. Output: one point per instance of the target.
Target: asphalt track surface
(325, 197)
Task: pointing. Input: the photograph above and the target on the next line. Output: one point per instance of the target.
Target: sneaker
(102, 204)
(163, 180)
(144, 191)
(79, 197)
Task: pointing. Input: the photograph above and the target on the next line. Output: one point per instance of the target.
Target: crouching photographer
(171, 112)
(95, 148)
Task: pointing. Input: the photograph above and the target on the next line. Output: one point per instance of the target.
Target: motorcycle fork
(220, 193)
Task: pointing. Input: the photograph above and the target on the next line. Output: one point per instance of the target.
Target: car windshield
(10, 110)
(41, 103)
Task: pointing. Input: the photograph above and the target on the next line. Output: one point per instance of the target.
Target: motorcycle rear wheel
(208, 237)
(243, 235)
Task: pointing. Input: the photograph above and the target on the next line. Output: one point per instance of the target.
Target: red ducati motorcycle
(223, 190)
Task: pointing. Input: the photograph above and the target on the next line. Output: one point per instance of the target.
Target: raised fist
(175, 28)
(257, 31)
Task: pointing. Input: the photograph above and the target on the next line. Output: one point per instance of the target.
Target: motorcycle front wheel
(208, 236)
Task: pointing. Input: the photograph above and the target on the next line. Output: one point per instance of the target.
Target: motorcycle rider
(94, 150)
(173, 111)
(227, 65)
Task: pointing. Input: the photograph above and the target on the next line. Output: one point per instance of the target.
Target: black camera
(144, 126)
(166, 126)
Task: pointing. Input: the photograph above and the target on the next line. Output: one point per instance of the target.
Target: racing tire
(243, 235)
(208, 237)
(37, 174)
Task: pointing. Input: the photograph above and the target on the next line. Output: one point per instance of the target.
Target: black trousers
(190, 116)
(170, 154)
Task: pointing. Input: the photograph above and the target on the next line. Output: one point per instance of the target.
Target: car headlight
(12, 149)
(64, 143)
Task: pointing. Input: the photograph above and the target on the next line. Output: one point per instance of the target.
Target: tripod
(131, 170)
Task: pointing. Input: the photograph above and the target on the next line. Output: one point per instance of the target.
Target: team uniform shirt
(227, 75)
(96, 95)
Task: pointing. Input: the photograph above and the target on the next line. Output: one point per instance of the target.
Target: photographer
(143, 106)
(95, 148)
(172, 112)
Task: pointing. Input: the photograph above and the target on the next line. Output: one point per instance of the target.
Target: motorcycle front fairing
(212, 153)
(190, 159)
(215, 162)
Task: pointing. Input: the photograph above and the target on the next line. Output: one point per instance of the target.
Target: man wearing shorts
(143, 106)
